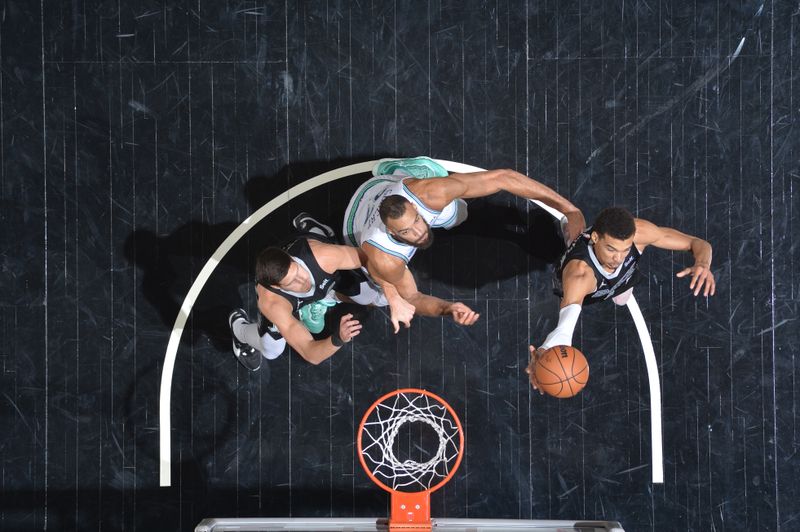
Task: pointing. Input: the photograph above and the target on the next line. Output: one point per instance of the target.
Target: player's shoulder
(274, 307)
(577, 268)
(578, 279)
(383, 258)
(431, 188)
(646, 233)
(318, 246)
(332, 257)
(644, 225)
(270, 297)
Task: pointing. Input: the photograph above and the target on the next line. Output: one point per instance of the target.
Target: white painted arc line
(165, 421)
(655, 390)
(165, 449)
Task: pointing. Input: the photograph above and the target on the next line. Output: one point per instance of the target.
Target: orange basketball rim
(410, 482)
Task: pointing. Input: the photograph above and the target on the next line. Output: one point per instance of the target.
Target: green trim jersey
(362, 222)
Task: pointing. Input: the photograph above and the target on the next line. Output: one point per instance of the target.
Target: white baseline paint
(655, 390)
(165, 430)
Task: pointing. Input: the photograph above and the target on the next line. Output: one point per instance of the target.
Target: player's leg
(252, 341)
(248, 353)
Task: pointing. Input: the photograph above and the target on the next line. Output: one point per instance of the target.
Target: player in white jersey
(363, 223)
(393, 214)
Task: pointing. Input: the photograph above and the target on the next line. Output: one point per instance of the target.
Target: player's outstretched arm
(577, 281)
(427, 305)
(386, 269)
(332, 257)
(438, 192)
(702, 279)
(400, 310)
(298, 337)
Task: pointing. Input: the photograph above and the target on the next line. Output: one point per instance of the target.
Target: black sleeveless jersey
(608, 285)
(323, 281)
(344, 281)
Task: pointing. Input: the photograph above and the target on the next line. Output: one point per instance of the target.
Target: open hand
(702, 279)
(349, 328)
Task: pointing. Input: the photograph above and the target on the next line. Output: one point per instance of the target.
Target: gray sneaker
(247, 355)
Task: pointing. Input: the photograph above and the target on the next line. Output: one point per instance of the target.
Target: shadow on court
(171, 263)
(497, 242)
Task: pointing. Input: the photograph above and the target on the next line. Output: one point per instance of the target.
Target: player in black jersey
(602, 263)
(295, 285)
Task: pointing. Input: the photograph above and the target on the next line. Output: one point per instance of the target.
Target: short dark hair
(615, 222)
(393, 207)
(272, 265)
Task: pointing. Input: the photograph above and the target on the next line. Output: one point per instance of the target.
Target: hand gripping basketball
(536, 353)
(561, 371)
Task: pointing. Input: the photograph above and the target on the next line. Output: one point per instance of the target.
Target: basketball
(562, 371)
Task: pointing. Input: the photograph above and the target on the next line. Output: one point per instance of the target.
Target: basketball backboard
(373, 524)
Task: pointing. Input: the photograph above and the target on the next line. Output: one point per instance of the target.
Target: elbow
(501, 176)
(308, 357)
(506, 179)
(700, 245)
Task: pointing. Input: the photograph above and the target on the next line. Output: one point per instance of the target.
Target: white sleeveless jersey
(362, 222)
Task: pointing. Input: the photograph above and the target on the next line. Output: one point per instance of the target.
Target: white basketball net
(381, 430)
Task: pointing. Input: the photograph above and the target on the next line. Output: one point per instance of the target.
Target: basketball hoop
(422, 416)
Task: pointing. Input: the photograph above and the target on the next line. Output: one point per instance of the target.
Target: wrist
(336, 340)
(391, 296)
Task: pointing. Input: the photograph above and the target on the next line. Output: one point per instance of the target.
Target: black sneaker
(305, 223)
(247, 355)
